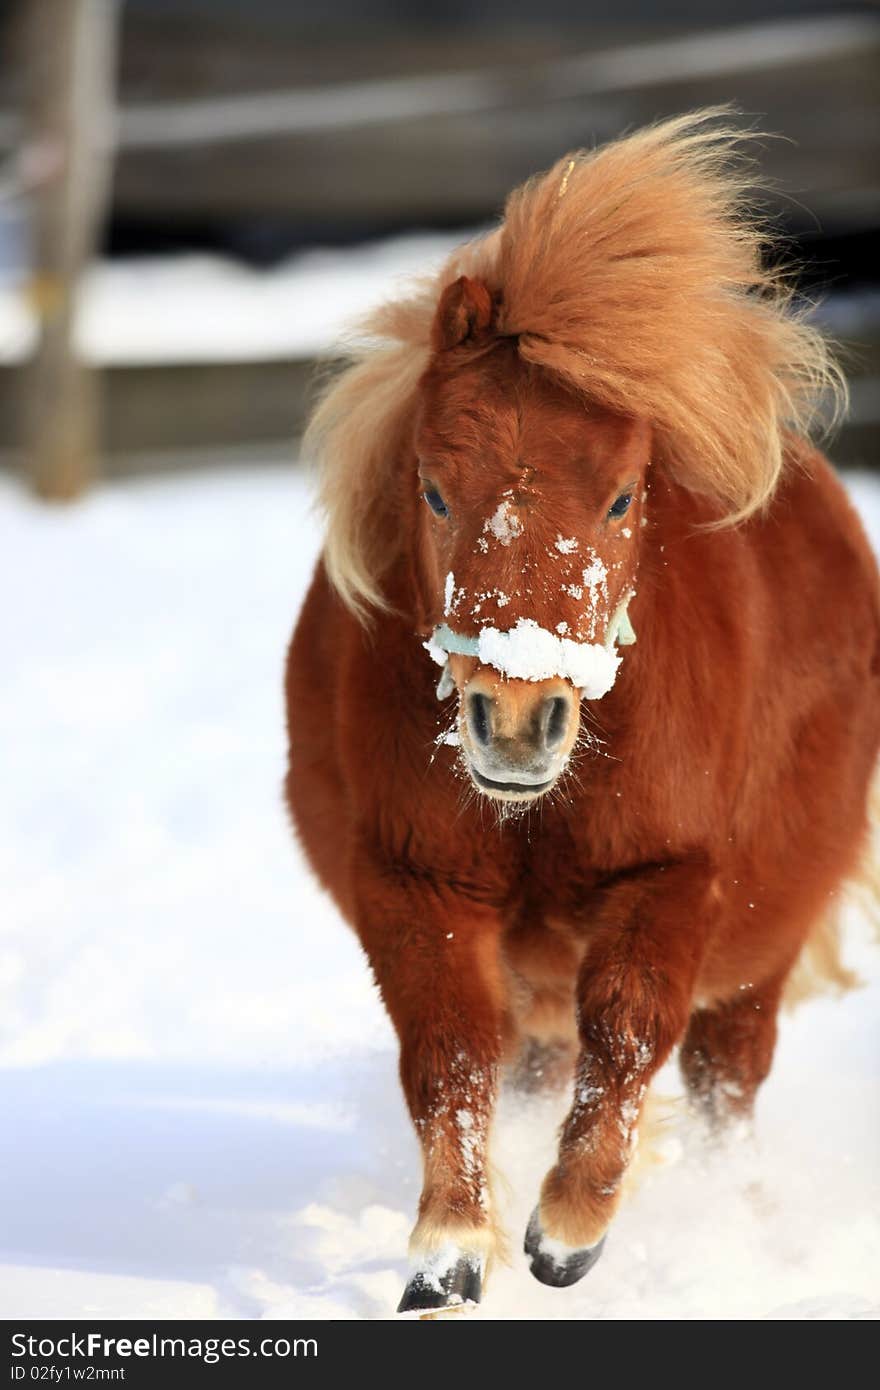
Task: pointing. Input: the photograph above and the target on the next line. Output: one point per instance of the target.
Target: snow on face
(529, 652)
(452, 596)
(588, 584)
(487, 596)
(504, 523)
(596, 578)
(449, 592)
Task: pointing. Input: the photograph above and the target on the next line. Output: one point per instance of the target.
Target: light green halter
(621, 632)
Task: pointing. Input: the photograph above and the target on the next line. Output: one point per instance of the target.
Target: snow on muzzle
(520, 692)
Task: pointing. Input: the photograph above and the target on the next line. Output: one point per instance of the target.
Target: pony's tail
(820, 968)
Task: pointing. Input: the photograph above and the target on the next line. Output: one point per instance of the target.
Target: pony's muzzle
(517, 735)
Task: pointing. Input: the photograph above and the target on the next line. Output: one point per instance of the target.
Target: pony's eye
(621, 506)
(435, 502)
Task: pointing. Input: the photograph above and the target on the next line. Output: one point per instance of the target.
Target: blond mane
(636, 273)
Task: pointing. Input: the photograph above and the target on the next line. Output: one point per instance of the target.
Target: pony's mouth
(510, 790)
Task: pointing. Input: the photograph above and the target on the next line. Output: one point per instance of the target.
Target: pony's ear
(465, 311)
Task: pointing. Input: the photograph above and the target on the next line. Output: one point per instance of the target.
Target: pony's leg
(634, 993)
(435, 957)
(728, 1051)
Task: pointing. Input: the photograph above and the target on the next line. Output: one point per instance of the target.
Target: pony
(575, 467)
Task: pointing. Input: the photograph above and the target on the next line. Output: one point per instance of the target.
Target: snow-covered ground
(206, 308)
(198, 1083)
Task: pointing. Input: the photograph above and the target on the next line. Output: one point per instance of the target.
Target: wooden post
(70, 58)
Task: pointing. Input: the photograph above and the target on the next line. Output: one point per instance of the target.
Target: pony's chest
(557, 876)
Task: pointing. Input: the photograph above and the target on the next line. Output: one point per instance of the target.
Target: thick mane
(636, 274)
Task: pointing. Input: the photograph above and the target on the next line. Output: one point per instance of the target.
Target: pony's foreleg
(728, 1051)
(634, 992)
(435, 958)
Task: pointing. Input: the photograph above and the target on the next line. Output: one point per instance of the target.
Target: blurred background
(196, 196)
(239, 179)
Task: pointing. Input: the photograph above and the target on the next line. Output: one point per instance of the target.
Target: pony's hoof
(556, 1264)
(437, 1285)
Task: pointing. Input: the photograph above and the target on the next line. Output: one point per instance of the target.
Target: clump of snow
(449, 592)
(432, 1268)
(595, 578)
(435, 652)
(557, 1250)
(566, 545)
(504, 523)
(529, 652)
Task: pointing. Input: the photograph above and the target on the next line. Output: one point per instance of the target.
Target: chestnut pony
(589, 429)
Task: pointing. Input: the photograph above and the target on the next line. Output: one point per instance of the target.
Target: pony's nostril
(480, 718)
(555, 721)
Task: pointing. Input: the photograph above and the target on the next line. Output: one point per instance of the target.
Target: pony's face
(531, 526)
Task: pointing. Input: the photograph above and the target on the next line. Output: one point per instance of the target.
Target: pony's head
(484, 465)
(529, 542)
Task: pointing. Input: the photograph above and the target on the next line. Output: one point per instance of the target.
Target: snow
(205, 1114)
(433, 1269)
(504, 523)
(558, 1251)
(449, 592)
(436, 653)
(202, 308)
(529, 652)
(595, 576)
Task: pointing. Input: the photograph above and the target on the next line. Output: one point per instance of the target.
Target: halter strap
(620, 630)
(455, 642)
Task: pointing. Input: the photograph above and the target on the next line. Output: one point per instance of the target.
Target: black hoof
(553, 1264)
(452, 1286)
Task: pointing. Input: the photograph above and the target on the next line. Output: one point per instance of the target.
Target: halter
(446, 642)
(621, 633)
